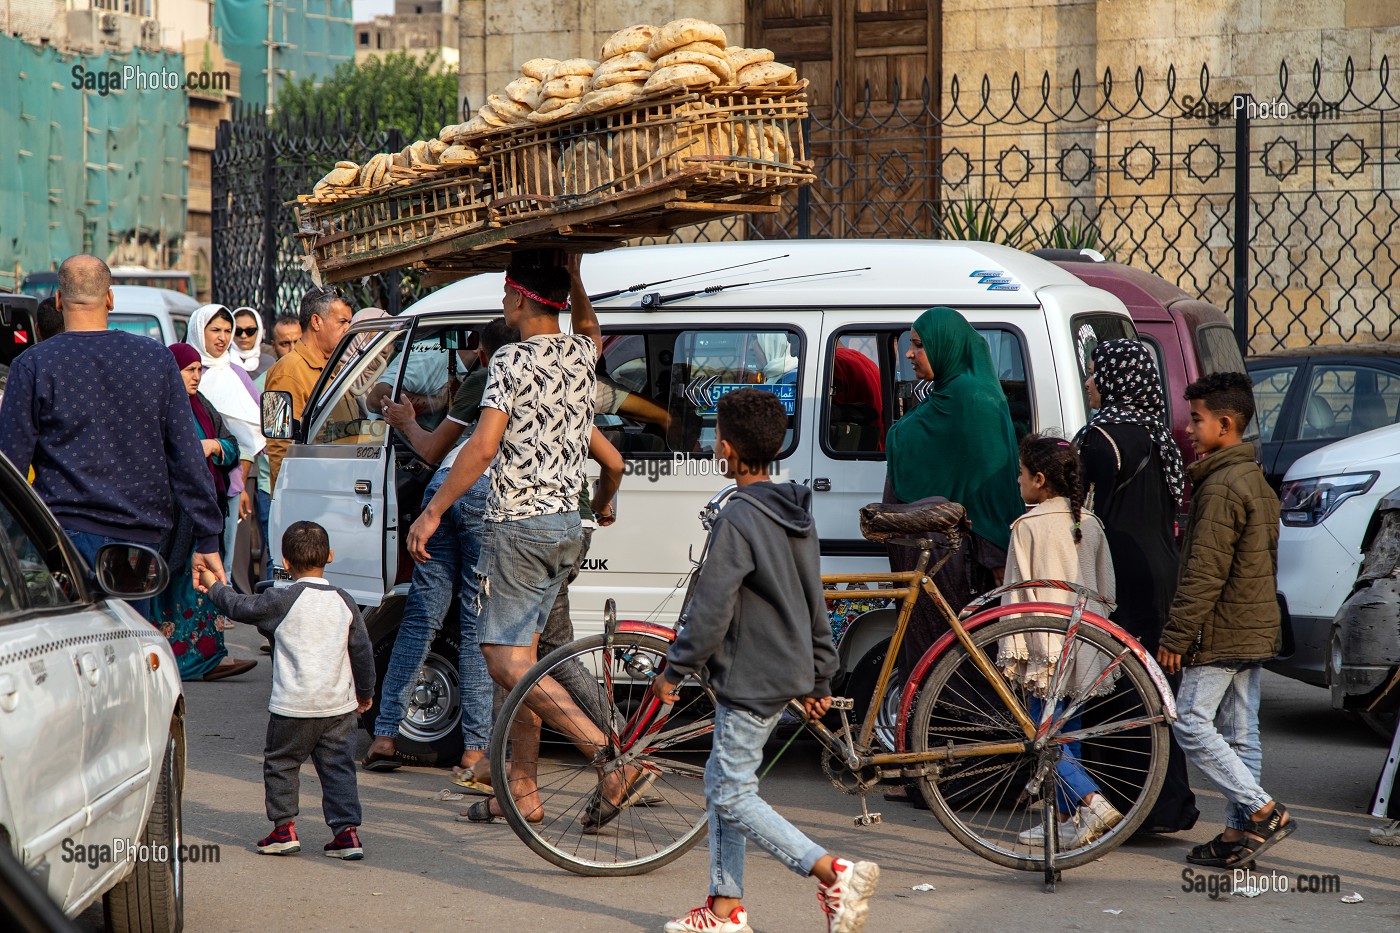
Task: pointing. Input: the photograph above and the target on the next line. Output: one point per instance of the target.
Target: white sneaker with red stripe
(705, 920)
(846, 900)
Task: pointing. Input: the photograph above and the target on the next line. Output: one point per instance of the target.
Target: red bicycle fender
(1159, 680)
(647, 628)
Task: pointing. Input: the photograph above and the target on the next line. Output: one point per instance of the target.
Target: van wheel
(152, 898)
(431, 732)
(861, 689)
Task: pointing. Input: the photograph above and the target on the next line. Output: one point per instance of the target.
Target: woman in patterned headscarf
(1133, 477)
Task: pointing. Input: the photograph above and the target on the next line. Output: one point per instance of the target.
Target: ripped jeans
(523, 564)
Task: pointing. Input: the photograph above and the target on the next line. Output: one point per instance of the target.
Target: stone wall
(496, 36)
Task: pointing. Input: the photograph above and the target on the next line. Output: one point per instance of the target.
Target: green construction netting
(310, 38)
(83, 170)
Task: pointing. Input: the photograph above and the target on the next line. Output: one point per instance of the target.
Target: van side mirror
(277, 415)
(130, 571)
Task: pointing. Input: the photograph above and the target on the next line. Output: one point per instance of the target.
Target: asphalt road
(425, 872)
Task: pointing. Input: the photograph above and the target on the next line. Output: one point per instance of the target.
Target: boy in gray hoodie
(756, 627)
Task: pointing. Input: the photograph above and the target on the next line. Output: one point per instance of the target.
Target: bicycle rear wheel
(993, 803)
(608, 685)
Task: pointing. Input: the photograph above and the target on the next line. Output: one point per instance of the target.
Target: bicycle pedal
(845, 703)
(867, 819)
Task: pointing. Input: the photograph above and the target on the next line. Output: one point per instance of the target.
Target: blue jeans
(453, 551)
(88, 545)
(264, 515)
(1074, 783)
(1217, 726)
(736, 811)
(524, 563)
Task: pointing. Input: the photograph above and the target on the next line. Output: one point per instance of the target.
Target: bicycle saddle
(884, 521)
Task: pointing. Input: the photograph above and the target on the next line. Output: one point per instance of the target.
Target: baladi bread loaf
(509, 110)
(557, 110)
(343, 175)
(489, 115)
(474, 126)
(525, 90)
(681, 76)
(765, 73)
(437, 147)
(458, 154)
(684, 56)
(628, 61)
(683, 32)
(572, 66)
(631, 39)
(399, 160)
(419, 152)
(538, 68)
(449, 132)
(620, 77)
(740, 57)
(610, 97)
(564, 87)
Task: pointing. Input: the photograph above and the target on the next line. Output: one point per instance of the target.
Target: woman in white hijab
(229, 388)
(247, 348)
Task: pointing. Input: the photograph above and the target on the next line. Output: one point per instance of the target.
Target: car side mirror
(130, 571)
(277, 415)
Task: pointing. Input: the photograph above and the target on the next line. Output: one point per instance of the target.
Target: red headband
(538, 299)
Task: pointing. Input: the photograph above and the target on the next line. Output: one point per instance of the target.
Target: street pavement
(424, 872)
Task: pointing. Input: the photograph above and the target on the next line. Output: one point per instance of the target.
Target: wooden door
(874, 68)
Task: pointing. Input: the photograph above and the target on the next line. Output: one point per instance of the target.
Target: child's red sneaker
(846, 900)
(281, 841)
(705, 920)
(346, 845)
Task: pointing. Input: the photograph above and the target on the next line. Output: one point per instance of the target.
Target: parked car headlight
(1308, 502)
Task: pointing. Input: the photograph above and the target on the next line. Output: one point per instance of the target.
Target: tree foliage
(400, 91)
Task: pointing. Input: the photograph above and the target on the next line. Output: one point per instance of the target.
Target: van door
(339, 473)
(660, 378)
(867, 384)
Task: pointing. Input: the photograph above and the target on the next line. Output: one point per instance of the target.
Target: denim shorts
(523, 564)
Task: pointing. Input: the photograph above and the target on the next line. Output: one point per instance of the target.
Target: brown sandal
(232, 669)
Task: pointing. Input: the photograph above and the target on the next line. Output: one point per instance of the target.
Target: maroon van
(1190, 338)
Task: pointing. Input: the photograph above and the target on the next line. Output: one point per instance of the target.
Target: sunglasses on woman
(246, 332)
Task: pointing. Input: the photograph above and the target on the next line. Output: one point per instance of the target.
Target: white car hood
(1349, 454)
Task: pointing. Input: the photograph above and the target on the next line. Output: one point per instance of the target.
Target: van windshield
(144, 324)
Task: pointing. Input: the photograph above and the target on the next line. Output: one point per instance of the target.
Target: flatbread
(565, 109)
(525, 90)
(572, 66)
(631, 39)
(716, 63)
(608, 98)
(683, 32)
(740, 57)
(629, 61)
(538, 68)
(564, 87)
(488, 114)
(455, 155)
(509, 110)
(449, 132)
(681, 76)
(765, 73)
(342, 176)
(436, 146)
(620, 77)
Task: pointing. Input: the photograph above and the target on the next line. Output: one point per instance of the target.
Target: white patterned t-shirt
(545, 386)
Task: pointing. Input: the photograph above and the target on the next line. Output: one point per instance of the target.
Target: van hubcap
(435, 704)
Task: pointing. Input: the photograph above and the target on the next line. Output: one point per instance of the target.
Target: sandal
(480, 812)
(381, 763)
(466, 779)
(1263, 835)
(1213, 854)
(600, 811)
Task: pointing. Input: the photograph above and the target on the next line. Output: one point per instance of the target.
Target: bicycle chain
(839, 778)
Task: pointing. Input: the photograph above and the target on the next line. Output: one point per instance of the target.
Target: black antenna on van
(654, 300)
(604, 296)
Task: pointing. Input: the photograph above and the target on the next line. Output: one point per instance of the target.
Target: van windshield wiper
(653, 300)
(604, 296)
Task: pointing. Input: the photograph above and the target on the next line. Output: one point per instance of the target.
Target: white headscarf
(248, 359)
(231, 393)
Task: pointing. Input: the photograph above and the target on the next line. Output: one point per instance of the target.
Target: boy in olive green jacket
(1224, 620)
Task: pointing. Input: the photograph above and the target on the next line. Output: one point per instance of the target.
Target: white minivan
(712, 318)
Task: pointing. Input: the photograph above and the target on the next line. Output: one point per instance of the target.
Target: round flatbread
(681, 76)
(490, 116)
(564, 110)
(509, 110)
(456, 155)
(683, 32)
(740, 57)
(419, 152)
(572, 66)
(608, 98)
(631, 39)
(620, 77)
(702, 48)
(436, 146)
(766, 73)
(716, 63)
(342, 176)
(538, 68)
(565, 87)
(475, 126)
(448, 132)
(628, 61)
(525, 90)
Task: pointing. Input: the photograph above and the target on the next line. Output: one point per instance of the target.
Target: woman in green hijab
(957, 444)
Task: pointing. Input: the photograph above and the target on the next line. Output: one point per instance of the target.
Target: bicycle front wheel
(606, 685)
(1106, 736)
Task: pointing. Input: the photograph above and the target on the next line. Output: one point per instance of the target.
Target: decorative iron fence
(1157, 173)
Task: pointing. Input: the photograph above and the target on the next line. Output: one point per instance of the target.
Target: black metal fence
(1160, 173)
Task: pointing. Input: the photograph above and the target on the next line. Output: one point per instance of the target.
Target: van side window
(658, 388)
(1090, 330)
(870, 384)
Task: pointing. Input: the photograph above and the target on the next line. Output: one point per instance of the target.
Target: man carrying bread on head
(535, 432)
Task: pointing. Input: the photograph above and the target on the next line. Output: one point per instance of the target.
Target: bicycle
(964, 734)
